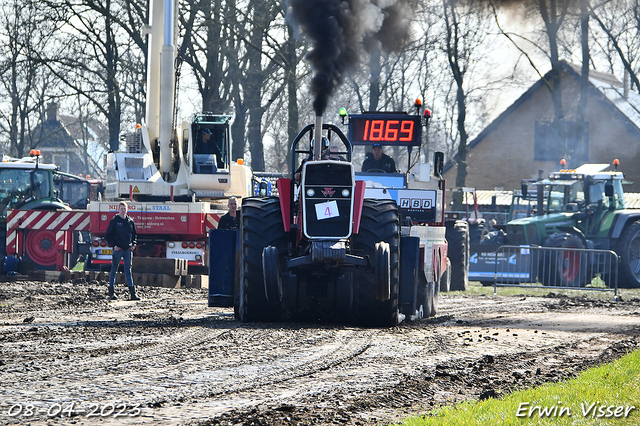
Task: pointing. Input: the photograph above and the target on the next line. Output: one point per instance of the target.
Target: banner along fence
(551, 267)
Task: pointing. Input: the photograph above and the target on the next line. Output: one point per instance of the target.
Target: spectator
(230, 219)
(122, 236)
(377, 161)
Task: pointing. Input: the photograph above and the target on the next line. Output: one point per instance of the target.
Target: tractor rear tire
(271, 274)
(628, 250)
(428, 296)
(433, 289)
(568, 269)
(434, 294)
(445, 280)
(379, 222)
(436, 297)
(425, 298)
(261, 226)
(382, 267)
(457, 235)
(477, 231)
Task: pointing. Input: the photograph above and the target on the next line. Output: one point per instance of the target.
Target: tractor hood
(536, 229)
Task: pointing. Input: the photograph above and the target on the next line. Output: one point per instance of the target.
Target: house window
(558, 139)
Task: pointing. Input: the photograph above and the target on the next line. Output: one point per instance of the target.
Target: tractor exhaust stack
(317, 146)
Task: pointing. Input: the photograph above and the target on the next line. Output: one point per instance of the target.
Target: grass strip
(609, 394)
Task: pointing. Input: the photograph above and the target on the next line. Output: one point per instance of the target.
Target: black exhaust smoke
(339, 31)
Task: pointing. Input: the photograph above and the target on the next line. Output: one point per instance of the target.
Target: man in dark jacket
(230, 219)
(122, 236)
(377, 161)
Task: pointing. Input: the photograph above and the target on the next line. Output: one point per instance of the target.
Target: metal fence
(550, 267)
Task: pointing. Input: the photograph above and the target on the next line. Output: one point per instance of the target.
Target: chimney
(52, 112)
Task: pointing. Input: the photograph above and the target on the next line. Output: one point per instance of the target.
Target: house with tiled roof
(518, 145)
(75, 146)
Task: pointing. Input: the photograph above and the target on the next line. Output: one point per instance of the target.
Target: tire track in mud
(22, 377)
(292, 366)
(185, 371)
(210, 379)
(161, 373)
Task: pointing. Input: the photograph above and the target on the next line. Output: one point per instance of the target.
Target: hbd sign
(415, 203)
(419, 205)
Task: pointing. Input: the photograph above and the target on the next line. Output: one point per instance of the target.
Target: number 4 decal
(327, 210)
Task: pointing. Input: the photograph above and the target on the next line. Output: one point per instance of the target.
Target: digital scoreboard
(385, 129)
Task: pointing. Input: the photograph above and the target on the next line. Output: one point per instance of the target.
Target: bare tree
(584, 74)
(23, 80)
(292, 59)
(465, 30)
(233, 54)
(205, 47)
(553, 13)
(619, 22)
(89, 57)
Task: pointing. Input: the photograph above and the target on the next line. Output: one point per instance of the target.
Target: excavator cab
(209, 152)
(211, 143)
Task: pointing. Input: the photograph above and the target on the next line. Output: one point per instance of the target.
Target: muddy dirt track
(70, 356)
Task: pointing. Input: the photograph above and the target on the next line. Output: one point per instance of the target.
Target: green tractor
(27, 184)
(582, 208)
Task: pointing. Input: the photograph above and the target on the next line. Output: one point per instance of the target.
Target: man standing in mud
(122, 236)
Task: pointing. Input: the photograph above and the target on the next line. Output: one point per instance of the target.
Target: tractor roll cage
(331, 129)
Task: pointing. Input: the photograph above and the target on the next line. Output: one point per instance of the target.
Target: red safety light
(185, 245)
(616, 162)
(563, 163)
(103, 243)
(427, 113)
(199, 245)
(96, 243)
(192, 245)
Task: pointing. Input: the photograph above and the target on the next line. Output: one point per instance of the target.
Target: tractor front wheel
(261, 227)
(566, 268)
(379, 223)
(629, 251)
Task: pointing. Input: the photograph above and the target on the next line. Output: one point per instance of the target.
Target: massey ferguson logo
(328, 192)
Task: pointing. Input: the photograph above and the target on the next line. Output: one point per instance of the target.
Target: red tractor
(321, 251)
